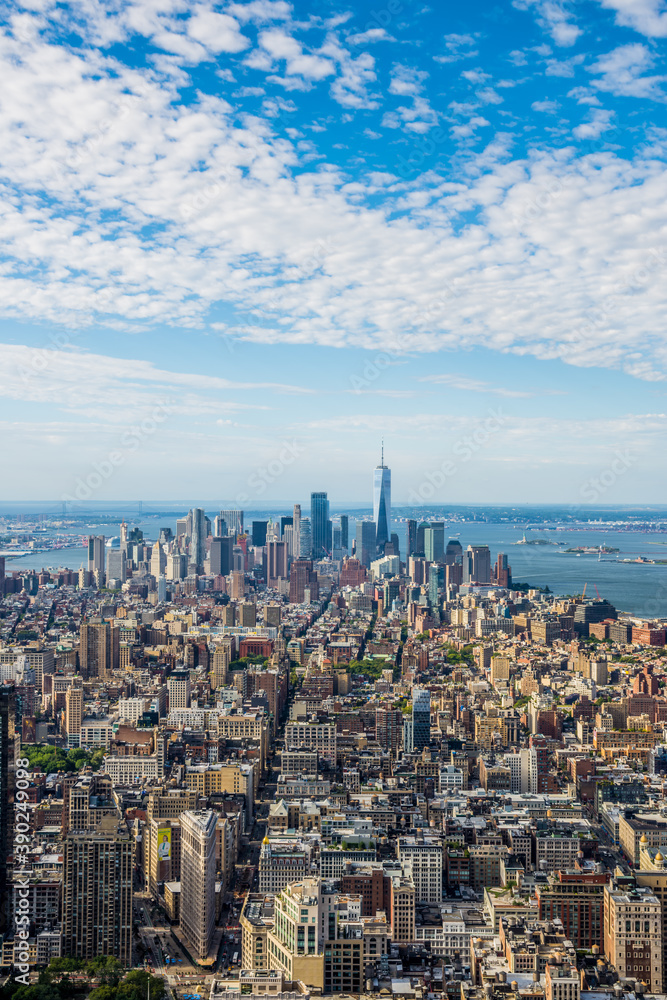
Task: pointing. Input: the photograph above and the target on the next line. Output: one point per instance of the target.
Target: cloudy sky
(243, 242)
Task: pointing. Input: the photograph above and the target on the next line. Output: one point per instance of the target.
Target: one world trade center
(382, 503)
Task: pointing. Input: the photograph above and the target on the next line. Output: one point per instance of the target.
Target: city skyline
(418, 219)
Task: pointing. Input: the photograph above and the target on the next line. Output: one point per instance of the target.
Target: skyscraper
(382, 503)
(285, 520)
(453, 552)
(503, 571)
(259, 533)
(305, 548)
(365, 546)
(198, 879)
(319, 516)
(221, 555)
(344, 531)
(276, 563)
(410, 538)
(98, 649)
(434, 542)
(234, 521)
(197, 533)
(96, 553)
(421, 718)
(302, 579)
(477, 564)
(97, 892)
(388, 727)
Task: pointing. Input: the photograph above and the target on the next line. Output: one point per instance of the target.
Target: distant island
(536, 541)
(591, 549)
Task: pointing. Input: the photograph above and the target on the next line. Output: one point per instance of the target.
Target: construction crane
(584, 591)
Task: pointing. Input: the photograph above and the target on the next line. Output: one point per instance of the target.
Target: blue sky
(242, 237)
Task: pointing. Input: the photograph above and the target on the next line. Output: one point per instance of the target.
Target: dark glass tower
(319, 516)
(421, 718)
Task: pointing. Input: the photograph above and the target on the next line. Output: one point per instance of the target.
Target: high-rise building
(632, 934)
(421, 718)
(219, 527)
(259, 533)
(98, 649)
(7, 746)
(117, 565)
(97, 892)
(197, 532)
(503, 572)
(198, 841)
(179, 690)
(420, 548)
(434, 542)
(389, 727)
(344, 531)
(305, 539)
(276, 563)
(96, 553)
(302, 579)
(319, 516)
(73, 714)
(158, 561)
(477, 564)
(221, 555)
(410, 538)
(382, 503)
(365, 544)
(296, 532)
(285, 520)
(424, 855)
(453, 552)
(234, 521)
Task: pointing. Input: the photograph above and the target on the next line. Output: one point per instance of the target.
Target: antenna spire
(382, 459)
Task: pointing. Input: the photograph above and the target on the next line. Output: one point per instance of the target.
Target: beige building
(257, 918)
(235, 779)
(639, 831)
(402, 909)
(198, 842)
(652, 873)
(318, 736)
(179, 690)
(562, 981)
(73, 715)
(632, 934)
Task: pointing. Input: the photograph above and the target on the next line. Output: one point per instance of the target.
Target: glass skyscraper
(319, 517)
(421, 718)
(382, 503)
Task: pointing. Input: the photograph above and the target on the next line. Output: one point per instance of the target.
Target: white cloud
(554, 17)
(218, 32)
(407, 81)
(125, 207)
(457, 46)
(621, 73)
(546, 106)
(465, 384)
(649, 17)
(599, 121)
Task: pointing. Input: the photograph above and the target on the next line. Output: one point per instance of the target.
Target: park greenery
(245, 661)
(68, 977)
(50, 759)
(371, 669)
